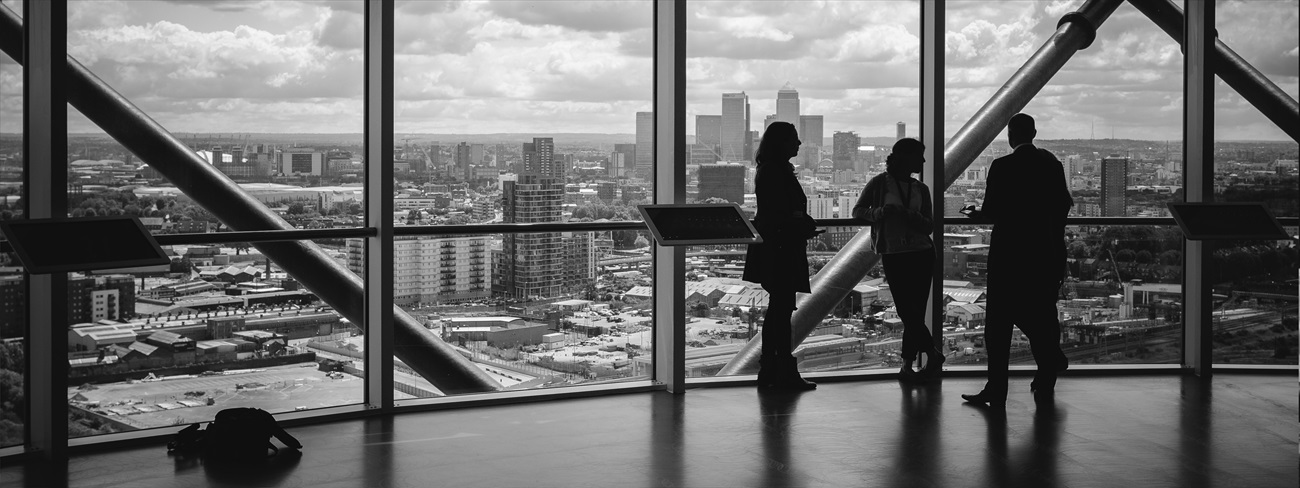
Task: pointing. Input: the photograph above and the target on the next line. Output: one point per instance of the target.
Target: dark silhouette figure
(900, 208)
(780, 262)
(1027, 201)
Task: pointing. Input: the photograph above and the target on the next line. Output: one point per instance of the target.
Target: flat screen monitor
(82, 244)
(699, 224)
(1239, 220)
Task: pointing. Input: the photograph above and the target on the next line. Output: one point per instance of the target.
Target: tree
(297, 208)
(1125, 256)
(641, 242)
(1171, 258)
(1143, 257)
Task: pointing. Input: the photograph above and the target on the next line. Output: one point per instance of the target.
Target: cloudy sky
(585, 66)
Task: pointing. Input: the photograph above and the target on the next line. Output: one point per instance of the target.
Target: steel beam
(342, 289)
(1074, 32)
(1252, 85)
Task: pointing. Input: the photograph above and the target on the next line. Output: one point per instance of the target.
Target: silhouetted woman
(780, 263)
(900, 208)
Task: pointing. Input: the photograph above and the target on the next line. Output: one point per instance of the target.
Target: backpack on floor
(241, 433)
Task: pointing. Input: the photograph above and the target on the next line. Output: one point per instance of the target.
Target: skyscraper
(845, 149)
(463, 156)
(787, 105)
(902, 131)
(539, 158)
(624, 155)
(708, 130)
(530, 265)
(735, 127)
(645, 138)
(810, 132)
(1114, 179)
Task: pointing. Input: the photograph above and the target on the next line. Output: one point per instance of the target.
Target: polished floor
(1130, 431)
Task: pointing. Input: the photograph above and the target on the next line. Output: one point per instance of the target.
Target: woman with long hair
(780, 262)
(899, 207)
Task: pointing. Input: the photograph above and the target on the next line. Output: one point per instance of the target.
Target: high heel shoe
(933, 365)
(908, 375)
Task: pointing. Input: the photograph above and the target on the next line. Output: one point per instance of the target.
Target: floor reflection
(777, 409)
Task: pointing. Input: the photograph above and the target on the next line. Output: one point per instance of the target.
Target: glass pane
(500, 91)
(1254, 160)
(269, 94)
(220, 327)
(13, 284)
(1112, 115)
(1121, 302)
(845, 74)
(1254, 302)
(725, 312)
(575, 310)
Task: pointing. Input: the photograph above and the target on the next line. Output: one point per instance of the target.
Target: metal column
(379, 203)
(670, 188)
(932, 116)
(1198, 181)
(45, 182)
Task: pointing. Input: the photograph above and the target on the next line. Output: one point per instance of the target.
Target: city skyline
(296, 67)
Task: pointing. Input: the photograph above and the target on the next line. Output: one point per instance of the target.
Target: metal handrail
(415, 345)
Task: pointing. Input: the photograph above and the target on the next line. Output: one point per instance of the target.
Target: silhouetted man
(1027, 201)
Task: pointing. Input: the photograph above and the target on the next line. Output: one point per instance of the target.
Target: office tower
(787, 105)
(499, 159)
(463, 156)
(821, 208)
(735, 127)
(539, 158)
(578, 258)
(844, 147)
(845, 205)
(1114, 179)
(475, 154)
(810, 133)
(530, 266)
(902, 131)
(433, 159)
(767, 121)
(723, 180)
(627, 157)
(645, 139)
(708, 130)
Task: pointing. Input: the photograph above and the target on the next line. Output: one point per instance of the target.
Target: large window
(846, 75)
(270, 98)
(526, 113)
(13, 306)
(1254, 313)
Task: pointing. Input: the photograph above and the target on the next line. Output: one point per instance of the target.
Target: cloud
(587, 16)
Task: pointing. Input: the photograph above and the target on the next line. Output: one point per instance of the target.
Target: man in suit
(1027, 201)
